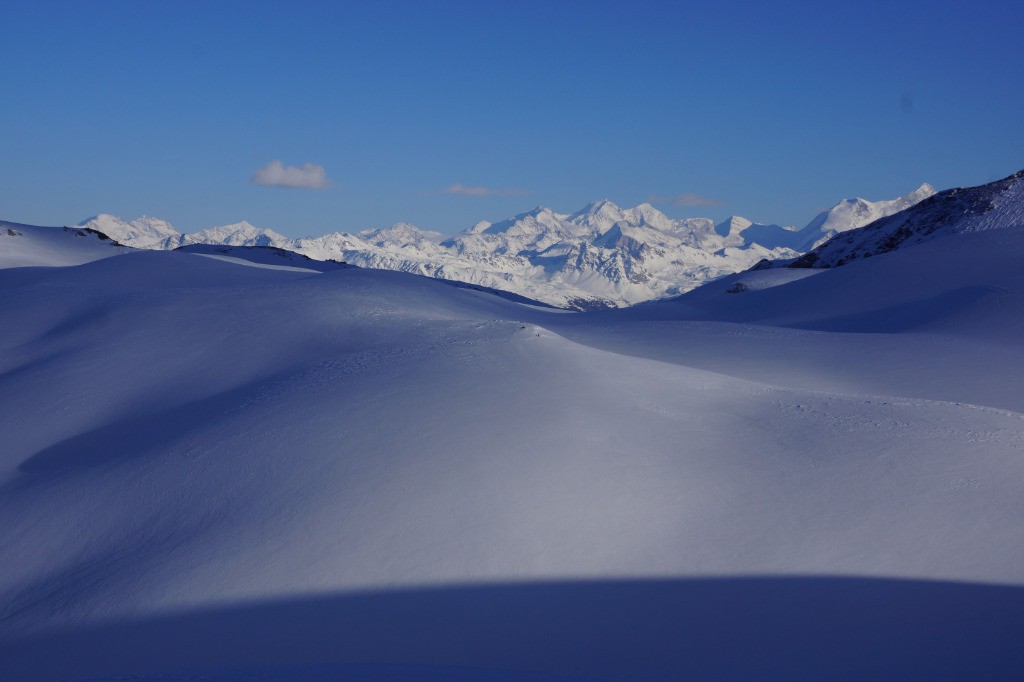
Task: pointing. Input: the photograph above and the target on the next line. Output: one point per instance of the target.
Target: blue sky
(773, 110)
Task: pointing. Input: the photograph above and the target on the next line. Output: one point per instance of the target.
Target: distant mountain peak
(996, 205)
(240, 225)
(733, 225)
(399, 234)
(144, 232)
(600, 205)
(850, 214)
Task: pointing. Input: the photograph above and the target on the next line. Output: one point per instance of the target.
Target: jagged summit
(598, 215)
(145, 232)
(733, 225)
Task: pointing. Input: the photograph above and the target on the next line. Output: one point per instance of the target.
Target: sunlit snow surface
(29, 245)
(253, 473)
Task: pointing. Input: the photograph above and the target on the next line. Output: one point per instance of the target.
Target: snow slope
(253, 472)
(262, 256)
(30, 245)
(996, 206)
(601, 256)
(853, 213)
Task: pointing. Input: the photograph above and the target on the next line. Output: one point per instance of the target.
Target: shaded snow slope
(960, 285)
(185, 437)
(940, 320)
(32, 246)
(709, 629)
(267, 256)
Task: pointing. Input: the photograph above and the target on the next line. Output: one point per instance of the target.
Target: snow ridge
(853, 213)
(996, 206)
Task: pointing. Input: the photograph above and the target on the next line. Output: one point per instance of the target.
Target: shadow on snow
(729, 628)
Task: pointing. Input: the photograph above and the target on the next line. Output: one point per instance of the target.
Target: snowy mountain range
(147, 232)
(600, 256)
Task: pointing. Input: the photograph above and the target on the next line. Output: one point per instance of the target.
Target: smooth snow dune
(963, 284)
(186, 436)
(942, 320)
(906, 365)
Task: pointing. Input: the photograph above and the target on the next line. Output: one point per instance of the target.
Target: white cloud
(276, 174)
(459, 188)
(686, 199)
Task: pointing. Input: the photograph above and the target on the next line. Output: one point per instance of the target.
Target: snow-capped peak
(534, 221)
(398, 234)
(147, 232)
(733, 225)
(144, 232)
(241, 233)
(645, 214)
(600, 206)
(240, 226)
(850, 214)
(597, 215)
(998, 205)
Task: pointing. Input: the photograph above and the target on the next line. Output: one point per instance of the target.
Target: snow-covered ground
(272, 473)
(30, 245)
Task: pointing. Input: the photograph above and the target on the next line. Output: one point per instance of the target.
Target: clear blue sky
(776, 110)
